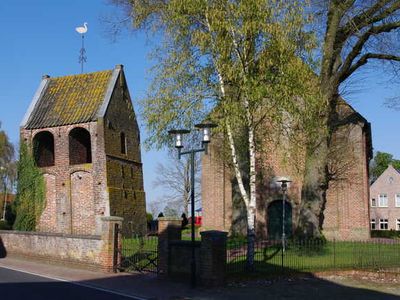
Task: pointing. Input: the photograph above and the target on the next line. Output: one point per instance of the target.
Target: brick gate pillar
(111, 237)
(169, 229)
(213, 257)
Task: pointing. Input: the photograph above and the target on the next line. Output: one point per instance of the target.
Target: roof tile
(70, 100)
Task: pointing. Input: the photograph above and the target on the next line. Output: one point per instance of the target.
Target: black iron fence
(313, 255)
(139, 254)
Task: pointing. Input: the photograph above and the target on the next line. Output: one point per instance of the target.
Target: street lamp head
(178, 136)
(283, 182)
(206, 128)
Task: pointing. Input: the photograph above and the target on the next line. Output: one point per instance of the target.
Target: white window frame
(373, 224)
(383, 222)
(372, 201)
(397, 200)
(398, 224)
(383, 196)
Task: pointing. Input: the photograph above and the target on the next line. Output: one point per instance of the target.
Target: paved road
(15, 285)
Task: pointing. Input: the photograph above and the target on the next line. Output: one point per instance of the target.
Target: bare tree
(8, 172)
(174, 177)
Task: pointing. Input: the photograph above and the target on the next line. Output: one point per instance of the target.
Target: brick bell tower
(86, 140)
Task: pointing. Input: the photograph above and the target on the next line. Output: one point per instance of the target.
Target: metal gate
(138, 254)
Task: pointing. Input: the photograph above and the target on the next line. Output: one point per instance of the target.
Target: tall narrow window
(373, 202)
(373, 224)
(43, 149)
(383, 200)
(123, 143)
(397, 200)
(80, 150)
(398, 224)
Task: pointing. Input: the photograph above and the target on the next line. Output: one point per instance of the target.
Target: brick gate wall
(175, 255)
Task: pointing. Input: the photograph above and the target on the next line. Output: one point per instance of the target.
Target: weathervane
(82, 53)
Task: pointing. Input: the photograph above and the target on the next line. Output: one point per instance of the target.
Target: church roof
(70, 99)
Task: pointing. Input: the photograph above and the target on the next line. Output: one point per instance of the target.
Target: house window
(123, 143)
(398, 224)
(373, 202)
(383, 200)
(397, 200)
(373, 224)
(383, 224)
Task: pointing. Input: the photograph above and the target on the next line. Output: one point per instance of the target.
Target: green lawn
(306, 257)
(133, 245)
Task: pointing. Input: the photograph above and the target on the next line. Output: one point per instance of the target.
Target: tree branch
(347, 68)
(366, 18)
(364, 59)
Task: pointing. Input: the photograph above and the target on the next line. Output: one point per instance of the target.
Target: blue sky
(38, 37)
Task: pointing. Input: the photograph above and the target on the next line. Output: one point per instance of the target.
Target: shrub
(29, 201)
(149, 217)
(389, 234)
(4, 225)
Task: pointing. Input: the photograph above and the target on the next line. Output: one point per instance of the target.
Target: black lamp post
(178, 133)
(284, 185)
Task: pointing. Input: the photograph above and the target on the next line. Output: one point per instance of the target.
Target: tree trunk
(250, 239)
(313, 194)
(316, 175)
(251, 208)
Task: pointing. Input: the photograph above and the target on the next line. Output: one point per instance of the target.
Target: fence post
(169, 229)
(111, 237)
(213, 257)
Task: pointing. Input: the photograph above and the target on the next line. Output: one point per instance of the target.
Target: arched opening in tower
(80, 150)
(43, 149)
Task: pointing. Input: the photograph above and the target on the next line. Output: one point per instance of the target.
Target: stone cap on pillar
(214, 233)
(169, 219)
(112, 219)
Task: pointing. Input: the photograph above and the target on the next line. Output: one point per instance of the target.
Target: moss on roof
(70, 100)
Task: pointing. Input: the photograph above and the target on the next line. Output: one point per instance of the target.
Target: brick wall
(215, 184)
(124, 170)
(81, 250)
(76, 196)
(95, 252)
(346, 211)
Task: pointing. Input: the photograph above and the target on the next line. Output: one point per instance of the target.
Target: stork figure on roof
(82, 53)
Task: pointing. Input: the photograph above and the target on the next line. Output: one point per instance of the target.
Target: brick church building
(85, 138)
(346, 211)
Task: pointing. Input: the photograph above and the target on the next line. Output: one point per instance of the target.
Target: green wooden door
(275, 219)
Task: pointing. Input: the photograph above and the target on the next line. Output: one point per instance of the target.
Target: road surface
(18, 285)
